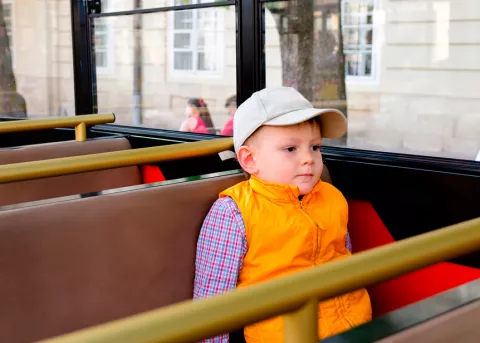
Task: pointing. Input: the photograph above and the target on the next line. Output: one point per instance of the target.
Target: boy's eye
(290, 149)
(316, 147)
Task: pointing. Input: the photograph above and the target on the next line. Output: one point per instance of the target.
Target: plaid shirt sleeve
(221, 247)
(348, 242)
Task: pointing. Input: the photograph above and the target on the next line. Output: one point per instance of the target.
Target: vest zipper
(302, 207)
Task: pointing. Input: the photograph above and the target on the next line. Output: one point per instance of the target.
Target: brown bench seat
(72, 264)
(32, 190)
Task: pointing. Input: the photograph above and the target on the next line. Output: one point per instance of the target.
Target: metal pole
(137, 65)
(81, 132)
(107, 160)
(302, 325)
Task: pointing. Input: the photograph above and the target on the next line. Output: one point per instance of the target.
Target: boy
(284, 218)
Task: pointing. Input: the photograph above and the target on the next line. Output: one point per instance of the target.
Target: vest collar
(280, 192)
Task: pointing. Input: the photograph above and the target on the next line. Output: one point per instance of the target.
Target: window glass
(36, 78)
(170, 70)
(102, 39)
(357, 28)
(196, 37)
(404, 72)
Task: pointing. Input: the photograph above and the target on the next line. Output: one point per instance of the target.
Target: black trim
(83, 71)
(165, 9)
(250, 74)
(402, 160)
(177, 136)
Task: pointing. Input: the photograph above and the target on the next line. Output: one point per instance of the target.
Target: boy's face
(286, 154)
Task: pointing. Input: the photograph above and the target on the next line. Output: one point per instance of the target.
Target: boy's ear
(246, 159)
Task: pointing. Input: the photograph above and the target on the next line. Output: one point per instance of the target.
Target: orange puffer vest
(286, 235)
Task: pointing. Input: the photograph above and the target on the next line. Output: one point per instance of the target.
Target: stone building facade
(412, 72)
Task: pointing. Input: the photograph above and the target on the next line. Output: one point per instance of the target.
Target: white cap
(281, 106)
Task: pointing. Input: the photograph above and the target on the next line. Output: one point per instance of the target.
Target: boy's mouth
(306, 174)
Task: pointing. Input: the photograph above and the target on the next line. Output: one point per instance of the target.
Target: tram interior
(84, 249)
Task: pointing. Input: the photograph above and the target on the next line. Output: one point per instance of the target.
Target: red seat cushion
(151, 174)
(368, 231)
(421, 284)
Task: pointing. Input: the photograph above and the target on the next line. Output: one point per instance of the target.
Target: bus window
(173, 70)
(36, 78)
(405, 72)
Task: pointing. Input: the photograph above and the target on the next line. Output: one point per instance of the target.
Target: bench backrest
(24, 191)
(72, 264)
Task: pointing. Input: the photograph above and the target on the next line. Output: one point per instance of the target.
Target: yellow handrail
(80, 122)
(108, 160)
(293, 296)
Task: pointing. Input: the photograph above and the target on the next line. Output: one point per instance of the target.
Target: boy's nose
(307, 158)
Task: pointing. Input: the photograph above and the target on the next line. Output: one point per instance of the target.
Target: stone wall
(425, 98)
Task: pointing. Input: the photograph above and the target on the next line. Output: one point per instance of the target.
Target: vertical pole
(302, 325)
(250, 49)
(81, 132)
(137, 65)
(84, 74)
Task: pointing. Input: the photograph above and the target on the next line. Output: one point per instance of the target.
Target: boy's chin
(305, 189)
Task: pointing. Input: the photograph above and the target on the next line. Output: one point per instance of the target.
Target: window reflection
(36, 78)
(195, 39)
(187, 63)
(405, 72)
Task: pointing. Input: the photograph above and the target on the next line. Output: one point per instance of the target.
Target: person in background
(198, 117)
(231, 105)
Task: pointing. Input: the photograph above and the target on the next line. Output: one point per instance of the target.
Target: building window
(358, 38)
(103, 47)
(196, 39)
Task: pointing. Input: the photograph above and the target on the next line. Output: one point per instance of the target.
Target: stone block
(462, 106)
(430, 105)
(442, 125)
(401, 122)
(423, 142)
(392, 103)
(383, 138)
(462, 148)
(65, 39)
(468, 127)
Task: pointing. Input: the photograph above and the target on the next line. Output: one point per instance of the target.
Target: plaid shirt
(221, 247)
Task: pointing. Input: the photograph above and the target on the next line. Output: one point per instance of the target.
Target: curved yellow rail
(294, 296)
(80, 122)
(78, 164)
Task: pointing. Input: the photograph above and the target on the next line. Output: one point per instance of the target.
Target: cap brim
(333, 122)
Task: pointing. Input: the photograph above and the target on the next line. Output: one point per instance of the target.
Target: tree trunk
(295, 26)
(137, 65)
(302, 27)
(7, 79)
(11, 103)
(309, 60)
(342, 88)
